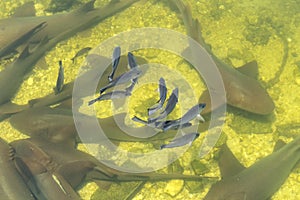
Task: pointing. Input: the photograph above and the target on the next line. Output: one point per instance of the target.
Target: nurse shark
(257, 182)
(242, 89)
(47, 31)
(24, 20)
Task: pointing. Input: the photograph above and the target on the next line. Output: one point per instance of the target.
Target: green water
(238, 32)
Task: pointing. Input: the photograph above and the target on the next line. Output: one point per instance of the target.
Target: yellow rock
(174, 187)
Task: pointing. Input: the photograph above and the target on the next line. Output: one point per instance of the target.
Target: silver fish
(175, 127)
(132, 64)
(81, 19)
(124, 78)
(188, 116)
(60, 79)
(110, 95)
(172, 101)
(137, 119)
(131, 60)
(163, 95)
(181, 141)
(160, 125)
(115, 62)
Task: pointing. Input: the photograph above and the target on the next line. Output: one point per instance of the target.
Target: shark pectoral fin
(26, 10)
(228, 163)
(249, 69)
(75, 172)
(237, 196)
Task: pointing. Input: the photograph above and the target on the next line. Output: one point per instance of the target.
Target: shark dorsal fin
(279, 144)
(26, 10)
(86, 7)
(249, 69)
(25, 53)
(228, 163)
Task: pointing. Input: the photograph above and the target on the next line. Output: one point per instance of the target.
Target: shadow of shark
(242, 90)
(257, 182)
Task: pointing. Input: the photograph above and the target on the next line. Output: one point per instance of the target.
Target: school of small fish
(48, 165)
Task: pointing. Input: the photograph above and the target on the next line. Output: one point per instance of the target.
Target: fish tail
(91, 102)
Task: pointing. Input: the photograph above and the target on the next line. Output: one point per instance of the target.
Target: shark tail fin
(193, 26)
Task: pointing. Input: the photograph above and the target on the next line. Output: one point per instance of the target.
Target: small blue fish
(181, 141)
(115, 62)
(160, 125)
(124, 78)
(132, 64)
(172, 101)
(188, 116)
(131, 60)
(163, 95)
(110, 95)
(137, 119)
(60, 79)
